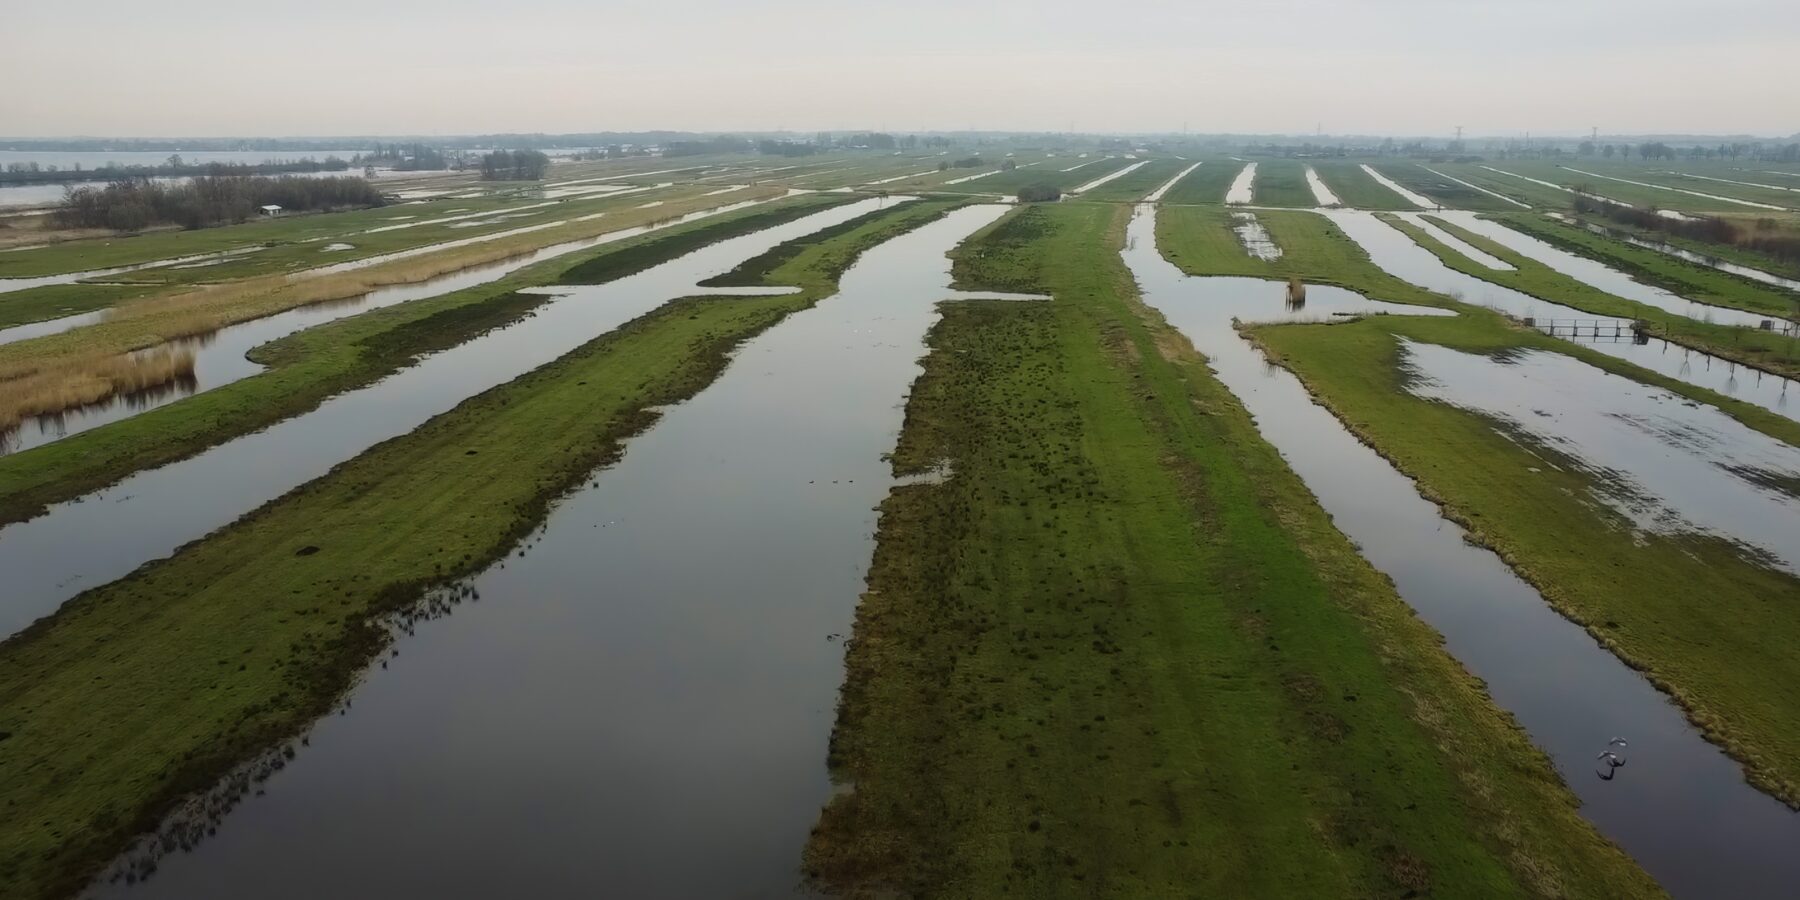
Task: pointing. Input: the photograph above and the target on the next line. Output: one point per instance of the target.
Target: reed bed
(205, 309)
(92, 379)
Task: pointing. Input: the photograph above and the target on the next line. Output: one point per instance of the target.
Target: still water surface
(639, 703)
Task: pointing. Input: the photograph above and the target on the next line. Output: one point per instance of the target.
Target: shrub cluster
(134, 204)
(1767, 238)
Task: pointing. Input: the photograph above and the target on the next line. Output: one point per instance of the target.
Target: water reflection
(222, 357)
(1416, 199)
(1322, 193)
(1669, 465)
(650, 679)
(1254, 237)
(1599, 275)
(1703, 259)
(1241, 188)
(102, 536)
(1396, 254)
(1683, 810)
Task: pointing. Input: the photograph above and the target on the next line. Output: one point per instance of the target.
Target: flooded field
(1667, 464)
(689, 605)
(1645, 184)
(1321, 193)
(1475, 187)
(1169, 185)
(1419, 200)
(1110, 176)
(1398, 255)
(220, 358)
(150, 514)
(1604, 277)
(1254, 237)
(613, 590)
(1682, 253)
(1683, 810)
(1426, 225)
(1241, 191)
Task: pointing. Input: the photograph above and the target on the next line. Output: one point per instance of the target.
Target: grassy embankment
(1137, 185)
(1416, 177)
(1206, 184)
(1760, 349)
(57, 300)
(1198, 240)
(1122, 652)
(1727, 656)
(113, 250)
(1282, 182)
(240, 640)
(35, 371)
(1357, 189)
(312, 365)
(1606, 181)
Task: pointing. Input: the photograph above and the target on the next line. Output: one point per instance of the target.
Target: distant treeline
(514, 165)
(1767, 237)
(822, 142)
(413, 157)
(967, 162)
(611, 151)
(205, 201)
(175, 167)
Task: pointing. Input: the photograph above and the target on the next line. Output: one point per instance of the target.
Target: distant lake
(94, 159)
(29, 195)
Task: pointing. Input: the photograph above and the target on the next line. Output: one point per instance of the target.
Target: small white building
(271, 210)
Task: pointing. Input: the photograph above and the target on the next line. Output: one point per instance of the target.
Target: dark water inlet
(1681, 808)
(220, 358)
(104, 535)
(1395, 253)
(639, 703)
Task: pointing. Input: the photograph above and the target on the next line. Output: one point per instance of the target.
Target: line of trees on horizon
(206, 201)
(173, 167)
(514, 165)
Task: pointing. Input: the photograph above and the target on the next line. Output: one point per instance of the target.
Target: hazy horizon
(1401, 67)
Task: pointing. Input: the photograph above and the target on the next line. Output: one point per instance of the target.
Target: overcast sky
(208, 67)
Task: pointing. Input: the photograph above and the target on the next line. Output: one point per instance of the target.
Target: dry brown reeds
(152, 321)
(87, 380)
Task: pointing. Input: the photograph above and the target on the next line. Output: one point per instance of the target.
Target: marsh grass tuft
(91, 379)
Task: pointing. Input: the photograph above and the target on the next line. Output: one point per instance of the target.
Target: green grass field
(1440, 188)
(1282, 182)
(1206, 184)
(1122, 652)
(238, 642)
(1355, 188)
(1137, 185)
(53, 301)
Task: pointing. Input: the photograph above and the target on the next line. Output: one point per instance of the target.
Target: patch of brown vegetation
(90, 379)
